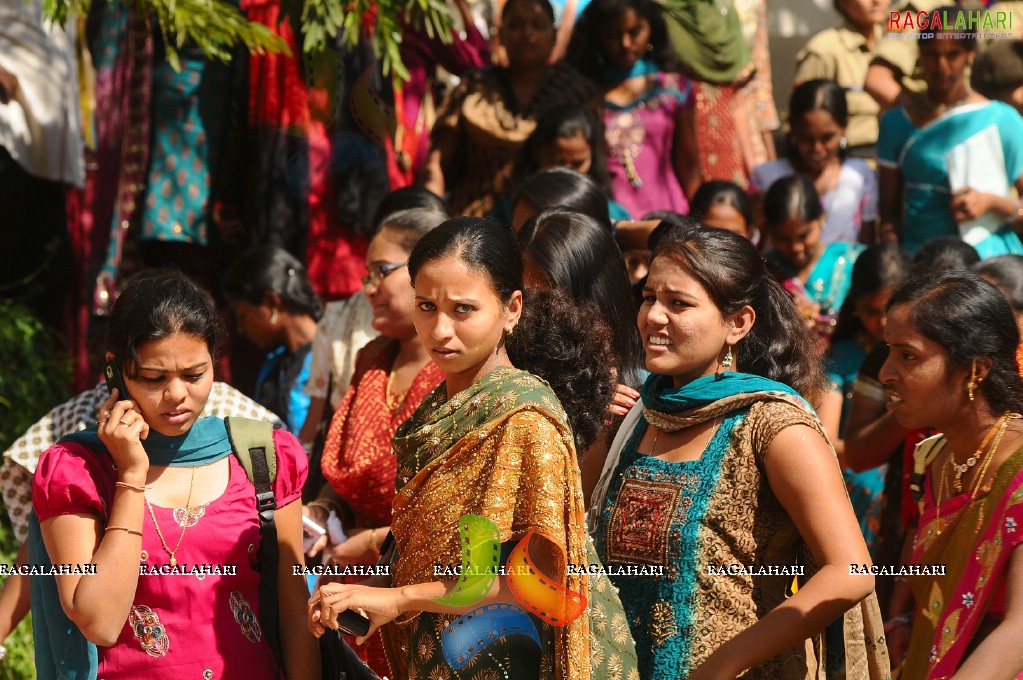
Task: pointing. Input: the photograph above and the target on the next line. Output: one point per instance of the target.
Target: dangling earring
(974, 382)
(273, 316)
(726, 363)
(842, 143)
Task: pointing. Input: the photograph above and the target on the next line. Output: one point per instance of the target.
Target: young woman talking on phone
(152, 484)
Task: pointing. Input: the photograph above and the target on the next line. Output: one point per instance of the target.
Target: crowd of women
(704, 413)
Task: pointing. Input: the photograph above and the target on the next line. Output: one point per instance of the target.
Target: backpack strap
(252, 442)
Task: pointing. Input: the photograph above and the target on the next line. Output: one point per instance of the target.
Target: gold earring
(974, 382)
(273, 316)
(726, 363)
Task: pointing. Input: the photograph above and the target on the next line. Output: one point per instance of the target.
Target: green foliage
(34, 373)
(34, 377)
(218, 25)
(215, 26)
(383, 21)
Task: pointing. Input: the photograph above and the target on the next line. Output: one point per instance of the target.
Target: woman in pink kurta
(622, 45)
(153, 500)
(208, 622)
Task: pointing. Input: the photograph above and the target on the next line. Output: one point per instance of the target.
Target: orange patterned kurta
(357, 458)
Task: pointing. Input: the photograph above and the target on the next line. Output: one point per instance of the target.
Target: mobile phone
(353, 623)
(112, 374)
(312, 527)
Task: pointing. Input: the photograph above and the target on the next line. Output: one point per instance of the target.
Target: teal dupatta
(62, 652)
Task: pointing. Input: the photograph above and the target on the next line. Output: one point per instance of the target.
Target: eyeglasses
(378, 273)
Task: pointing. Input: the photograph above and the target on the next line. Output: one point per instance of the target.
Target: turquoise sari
(919, 154)
(829, 281)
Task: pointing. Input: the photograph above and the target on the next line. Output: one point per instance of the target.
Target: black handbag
(338, 661)
(252, 441)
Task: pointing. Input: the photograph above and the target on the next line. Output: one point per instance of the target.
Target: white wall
(790, 23)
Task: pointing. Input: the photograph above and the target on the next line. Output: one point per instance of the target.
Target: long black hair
(567, 346)
(565, 122)
(566, 188)
(969, 318)
(580, 257)
(819, 94)
(878, 268)
(156, 304)
(268, 269)
(729, 268)
(585, 52)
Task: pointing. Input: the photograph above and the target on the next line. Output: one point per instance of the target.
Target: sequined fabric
(501, 449)
(974, 538)
(357, 459)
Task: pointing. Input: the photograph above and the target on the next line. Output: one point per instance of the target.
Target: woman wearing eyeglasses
(393, 373)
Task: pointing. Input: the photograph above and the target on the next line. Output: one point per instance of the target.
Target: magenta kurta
(182, 626)
(642, 135)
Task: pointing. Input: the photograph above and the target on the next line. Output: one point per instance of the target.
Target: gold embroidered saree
(501, 449)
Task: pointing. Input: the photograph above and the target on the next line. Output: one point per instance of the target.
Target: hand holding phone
(353, 623)
(311, 527)
(122, 429)
(115, 379)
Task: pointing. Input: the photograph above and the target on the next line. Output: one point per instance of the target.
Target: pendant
(173, 561)
(143, 556)
(630, 170)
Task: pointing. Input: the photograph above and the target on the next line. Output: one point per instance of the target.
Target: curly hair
(569, 346)
(585, 52)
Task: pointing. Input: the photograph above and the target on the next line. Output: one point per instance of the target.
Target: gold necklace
(982, 472)
(998, 431)
(391, 400)
(184, 527)
(957, 483)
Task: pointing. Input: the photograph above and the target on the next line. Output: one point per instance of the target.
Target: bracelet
(127, 529)
(126, 485)
(899, 621)
(374, 545)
